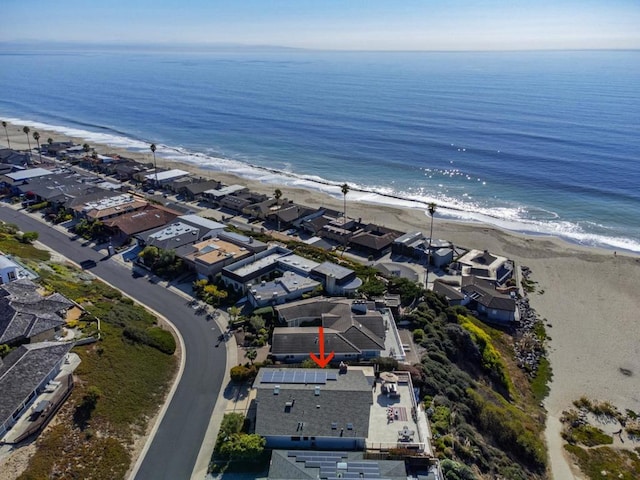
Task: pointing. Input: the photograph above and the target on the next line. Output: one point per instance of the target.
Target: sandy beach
(589, 295)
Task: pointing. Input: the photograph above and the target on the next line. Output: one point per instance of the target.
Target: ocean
(544, 143)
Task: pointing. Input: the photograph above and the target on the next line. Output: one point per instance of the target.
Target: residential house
(28, 316)
(452, 293)
(24, 374)
(373, 240)
(483, 264)
(162, 178)
(129, 224)
(14, 158)
(22, 177)
(289, 287)
(215, 195)
(11, 270)
(482, 295)
(314, 222)
(195, 189)
(253, 269)
(353, 330)
(337, 280)
(184, 230)
(330, 465)
(313, 409)
(415, 245)
(111, 207)
(210, 256)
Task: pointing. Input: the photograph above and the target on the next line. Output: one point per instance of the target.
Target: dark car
(86, 264)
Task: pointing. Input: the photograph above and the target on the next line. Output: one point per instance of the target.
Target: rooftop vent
(276, 390)
(316, 391)
(349, 426)
(334, 425)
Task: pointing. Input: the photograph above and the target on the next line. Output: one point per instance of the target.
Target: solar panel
(332, 375)
(295, 376)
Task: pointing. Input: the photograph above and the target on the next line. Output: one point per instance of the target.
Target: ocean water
(537, 142)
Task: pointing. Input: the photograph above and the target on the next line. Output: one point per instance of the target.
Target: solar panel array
(327, 462)
(298, 376)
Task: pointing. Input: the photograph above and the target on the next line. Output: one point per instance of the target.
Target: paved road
(173, 452)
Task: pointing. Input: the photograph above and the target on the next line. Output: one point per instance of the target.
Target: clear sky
(331, 24)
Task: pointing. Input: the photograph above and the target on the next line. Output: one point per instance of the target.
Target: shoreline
(587, 294)
(264, 179)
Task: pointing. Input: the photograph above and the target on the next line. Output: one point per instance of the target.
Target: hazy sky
(331, 24)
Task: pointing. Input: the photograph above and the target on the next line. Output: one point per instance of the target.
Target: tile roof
(142, 220)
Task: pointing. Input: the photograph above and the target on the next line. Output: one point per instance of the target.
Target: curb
(201, 467)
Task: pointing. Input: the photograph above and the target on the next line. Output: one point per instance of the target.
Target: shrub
(242, 373)
(154, 337)
(29, 237)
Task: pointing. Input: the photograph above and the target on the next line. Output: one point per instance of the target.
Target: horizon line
(240, 46)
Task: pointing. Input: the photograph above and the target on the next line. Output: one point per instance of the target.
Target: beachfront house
(160, 179)
(492, 304)
(373, 240)
(485, 265)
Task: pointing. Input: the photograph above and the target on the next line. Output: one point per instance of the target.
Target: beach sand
(590, 296)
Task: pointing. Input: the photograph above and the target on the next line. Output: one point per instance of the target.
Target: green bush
(241, 373)
(154, 337)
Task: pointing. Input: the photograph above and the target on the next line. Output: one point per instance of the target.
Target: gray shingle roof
(303, 340)
(287, 465)
(25, 313)
(23, 370)
(345, 400)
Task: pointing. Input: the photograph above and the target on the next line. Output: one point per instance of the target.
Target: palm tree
(431, 208)
(36, 137)
(86, 147)
(251, 354)
(26, 131)
(155, 167)
(4, 124)
(277, 194)
(345, 189)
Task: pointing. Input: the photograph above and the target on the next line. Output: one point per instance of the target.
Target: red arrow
(322, 360)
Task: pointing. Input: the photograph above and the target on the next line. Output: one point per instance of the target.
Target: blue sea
(546, 143)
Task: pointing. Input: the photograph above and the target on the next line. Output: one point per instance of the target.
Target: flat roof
(224, 190)
(265, 261)
(30, 173)
(175, 229)
(213, 250)
(166, 175)
(299, 263)
(202, 222)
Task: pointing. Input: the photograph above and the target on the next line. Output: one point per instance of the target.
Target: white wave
(515, 218)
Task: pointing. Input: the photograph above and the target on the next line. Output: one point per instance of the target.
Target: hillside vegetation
(484, 416)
